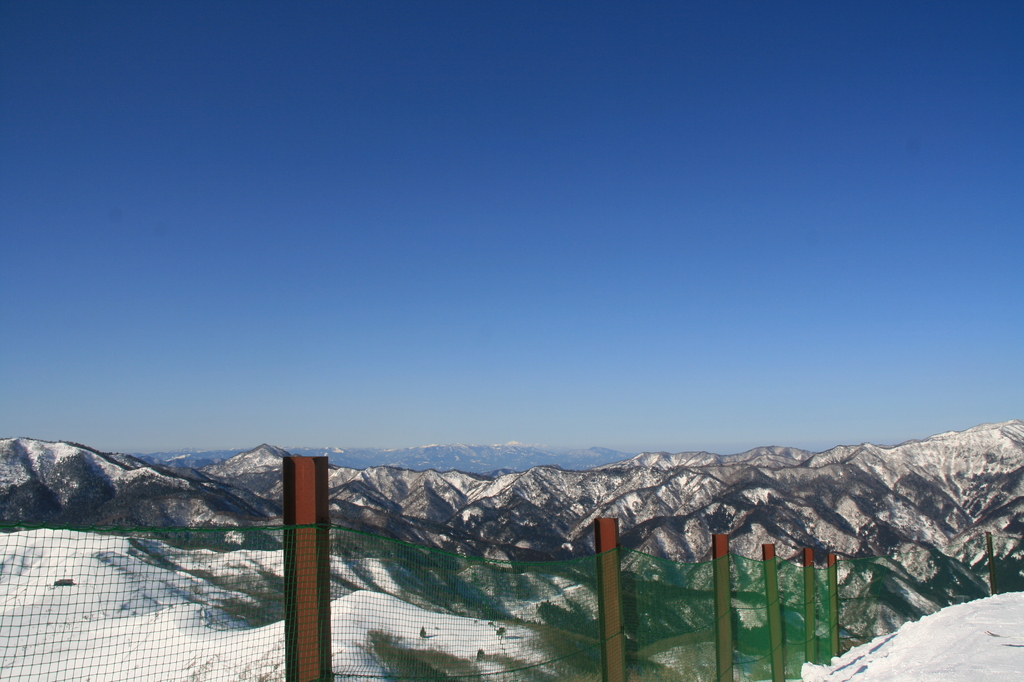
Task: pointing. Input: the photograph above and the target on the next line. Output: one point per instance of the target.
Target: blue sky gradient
(658, 226)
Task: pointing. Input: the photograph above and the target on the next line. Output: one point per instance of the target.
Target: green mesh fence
(140, 604)
(144, 604)
(752, 640)
(669, 618)
(822, 618)
(197, 605)
(401, 611)
(1008, 569)
(1009, 563)
(879, 594)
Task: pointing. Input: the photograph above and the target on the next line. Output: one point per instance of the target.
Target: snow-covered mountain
(42, 482)
(257, 469)
(764, 456)
(855, 500)
(859, 500)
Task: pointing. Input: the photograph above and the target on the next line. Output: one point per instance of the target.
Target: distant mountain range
(481, 459)
(855, 500)
(64, 483)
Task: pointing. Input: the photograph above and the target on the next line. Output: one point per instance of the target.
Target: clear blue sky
(640, 226)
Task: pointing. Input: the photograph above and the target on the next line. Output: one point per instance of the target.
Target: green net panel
(401, 611)
(822, 618)
(140, 605)
(669, 616)
(195, 605)
(1008, 561)
(200, 605)
(973, 553)
(796, 636)
(877, 595)
(864, 611)
(936, 578)
(752, 640)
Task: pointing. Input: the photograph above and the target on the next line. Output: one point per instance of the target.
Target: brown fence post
(723, 610)
(833, 603)
(993, 588)
(771, 596)
(307, 593)
(810, 624)
(609, 601)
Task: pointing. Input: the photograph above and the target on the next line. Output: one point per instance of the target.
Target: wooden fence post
(723, 604)
(810, 624)
(771, 594)
(993, 588)
(609, 601)
(307, 588)
(833, 602)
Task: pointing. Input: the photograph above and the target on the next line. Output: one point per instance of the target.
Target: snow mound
(975, 642)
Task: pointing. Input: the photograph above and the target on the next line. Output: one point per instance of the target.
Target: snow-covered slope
(981, 641)
(97, 607)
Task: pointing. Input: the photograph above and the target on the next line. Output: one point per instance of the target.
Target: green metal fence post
(991, 564)
(609, 601)
(723, 610)
(810, 624)
(833, 602)
(771, 596)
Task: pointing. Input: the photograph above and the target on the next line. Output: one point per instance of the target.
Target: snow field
(361, 619)
(951, 645)
(123, 618)
(131, 615)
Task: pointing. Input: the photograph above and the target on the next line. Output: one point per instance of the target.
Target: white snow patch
(975, 642)
(758, 495)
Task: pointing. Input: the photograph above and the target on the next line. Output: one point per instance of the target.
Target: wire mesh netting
(1009, 563)
(879, 594)
(403, 612)
(669, 617)
(140, 604)
(753, 646)
(210, 604)
(1008, 568)
(106, 604)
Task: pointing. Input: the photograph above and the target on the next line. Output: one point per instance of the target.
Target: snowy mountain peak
(260, 458)
(660, 460)
(23, 459)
